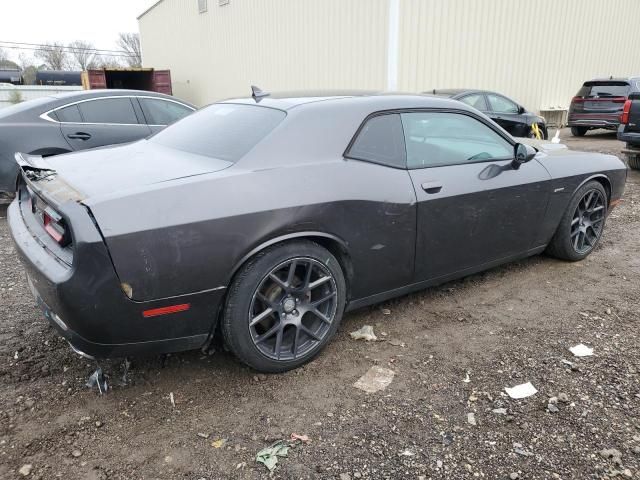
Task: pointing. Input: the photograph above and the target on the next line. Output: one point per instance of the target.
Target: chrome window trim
(45, 115)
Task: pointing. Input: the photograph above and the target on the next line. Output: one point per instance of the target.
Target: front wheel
(284, 306)
(581, 226)
(579, 131)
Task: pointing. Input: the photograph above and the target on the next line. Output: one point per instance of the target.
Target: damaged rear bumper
(86, 305)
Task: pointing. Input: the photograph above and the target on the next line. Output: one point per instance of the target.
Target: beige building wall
(539, 52)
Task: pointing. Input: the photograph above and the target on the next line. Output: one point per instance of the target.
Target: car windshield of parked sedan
(225, 131)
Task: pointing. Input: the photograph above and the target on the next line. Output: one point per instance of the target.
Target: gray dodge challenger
(268, 217)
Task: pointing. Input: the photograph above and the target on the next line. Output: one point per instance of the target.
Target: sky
(40, 21)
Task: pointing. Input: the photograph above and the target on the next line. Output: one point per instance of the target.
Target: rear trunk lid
(104, 171)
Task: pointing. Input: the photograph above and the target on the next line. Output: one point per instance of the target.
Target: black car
(599, 104)
(511, 116)
(80, 120)
(272, 216)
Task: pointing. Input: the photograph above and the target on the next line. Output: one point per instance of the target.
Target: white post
(393, 45)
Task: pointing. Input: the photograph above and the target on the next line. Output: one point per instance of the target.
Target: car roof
(289, 100)
(613, 79)
(105, 92)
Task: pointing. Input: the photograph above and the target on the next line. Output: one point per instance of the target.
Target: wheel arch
(600, 178)
(337, 246)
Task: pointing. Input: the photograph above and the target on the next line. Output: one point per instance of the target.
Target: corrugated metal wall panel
(538, 52)
(276, 44)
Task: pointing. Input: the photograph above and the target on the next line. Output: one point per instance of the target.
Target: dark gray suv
(80, 120)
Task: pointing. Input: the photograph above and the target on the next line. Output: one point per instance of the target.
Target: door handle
(79, 136)
(431, 187)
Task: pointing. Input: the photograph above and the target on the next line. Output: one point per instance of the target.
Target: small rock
(553, 400)
(613, 454)
(627, 473)
(636, 449)
(25, 470)
(514, 476)
(168, 459)
(563, 397)
(499, 411)
(345, 476)
(608, 311)
(99, 424)
(76, 453)
(365, 333)
(203, 435)
(386, 311)
(552, 408)
(471, 418)
(261, 377)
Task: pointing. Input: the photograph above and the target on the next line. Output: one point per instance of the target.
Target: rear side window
(500, 104)
(163, 112)
(604, 89)
(224, 131)
(380, 141)
(109, 110)
(476, 100)
(68, 114)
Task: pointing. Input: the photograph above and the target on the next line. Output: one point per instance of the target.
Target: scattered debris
(203, 435)
(552, 405)
(302, 438)
(172, 399)
(563, 397)
(613, 454)
(376, 379)
(520, 450)
(386, 311)
(76, 453)
(365, 333)
(25, 470)
(471, 418)
(219, 443)
(467, 379)
(407, 453)
(397, 343)
(269, 456)
(126, 366)
(581, 350)
(514, 476)
(521, 391)
(499, 411)
(97, 379)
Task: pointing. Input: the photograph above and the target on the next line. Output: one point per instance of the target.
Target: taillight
(577, 100)
(624, 118)
(54, 226)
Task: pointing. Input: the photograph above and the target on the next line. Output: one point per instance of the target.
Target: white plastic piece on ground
(521, 391)
(556, 137)
(581, 350)
(365, 333)
(376, 379)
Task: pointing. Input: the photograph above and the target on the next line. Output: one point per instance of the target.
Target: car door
(474, 208)
(160, 112)
(505, 113)
(101, 121)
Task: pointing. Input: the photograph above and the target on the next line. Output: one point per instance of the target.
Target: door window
(70, 114)
(163, 112)
(380, 141)
(500, 104)
(476, 100)
(437, 138)
(109, 110)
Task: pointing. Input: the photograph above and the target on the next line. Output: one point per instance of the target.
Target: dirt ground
(497, 329)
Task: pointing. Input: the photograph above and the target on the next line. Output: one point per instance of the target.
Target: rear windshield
(604, 89)
(224, 131)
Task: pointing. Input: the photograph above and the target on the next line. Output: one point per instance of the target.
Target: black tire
(634, 162)
(563, 244)
(578, 131)
(247, 293)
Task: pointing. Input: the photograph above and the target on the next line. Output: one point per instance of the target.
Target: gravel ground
(501, 328)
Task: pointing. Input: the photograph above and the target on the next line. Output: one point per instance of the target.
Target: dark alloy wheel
(587, 222)
(284, 306)
(293, 308)
(581, 226)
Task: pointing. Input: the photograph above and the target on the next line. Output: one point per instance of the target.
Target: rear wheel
(581, 226)
(578, 131)
(284, 306)
(633, 161)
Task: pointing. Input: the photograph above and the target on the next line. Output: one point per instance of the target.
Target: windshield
(225, 131)
(24, 106)
(604, 89)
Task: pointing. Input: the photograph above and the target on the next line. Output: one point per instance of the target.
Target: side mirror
(521, 110)
(522, 154)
